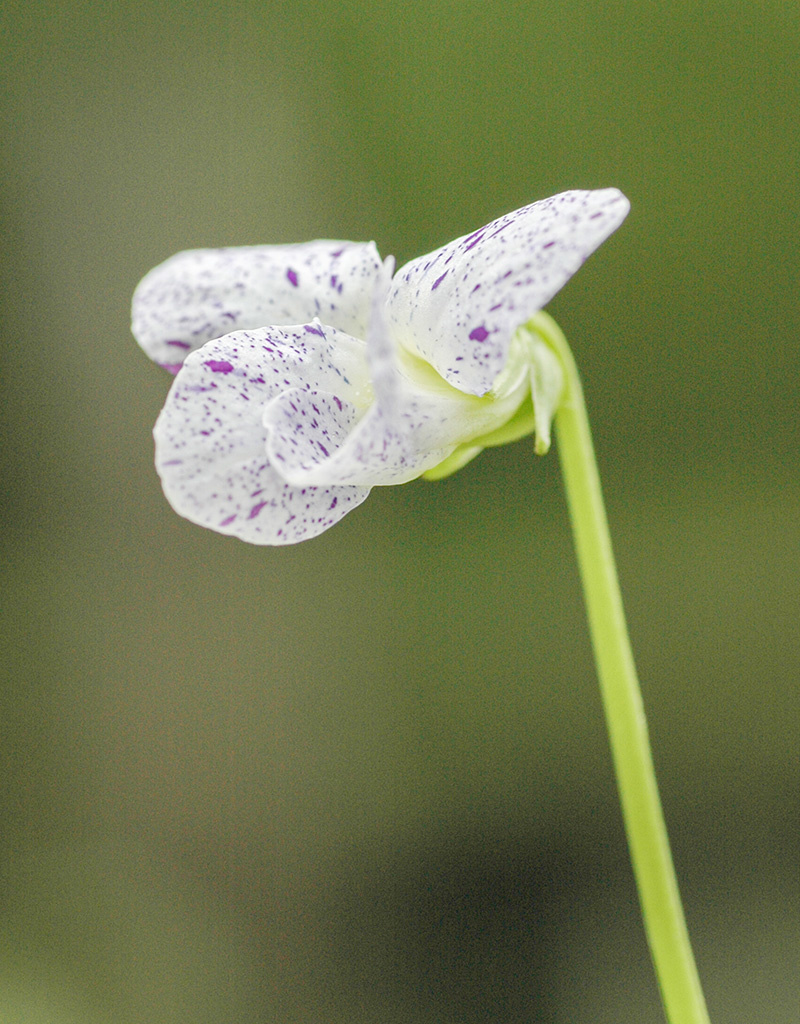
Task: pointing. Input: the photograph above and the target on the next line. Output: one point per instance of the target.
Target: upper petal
(203, 294)
(459, 306)
(211, 443)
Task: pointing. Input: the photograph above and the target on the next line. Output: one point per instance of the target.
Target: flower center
(522, 401)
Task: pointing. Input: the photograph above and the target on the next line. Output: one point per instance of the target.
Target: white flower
(273, 433)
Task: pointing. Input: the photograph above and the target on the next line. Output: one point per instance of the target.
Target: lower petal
(313, 450)
(211, 443)
(314, 440)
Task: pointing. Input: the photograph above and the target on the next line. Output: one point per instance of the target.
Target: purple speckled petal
(211, 443)
(416, 419)
(459, 306)
(315, 440)
(205, 293)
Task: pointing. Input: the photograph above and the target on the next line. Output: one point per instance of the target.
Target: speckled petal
(211, 442)
(459, 306)
(205, 293)
(316, 443)
(415, 422)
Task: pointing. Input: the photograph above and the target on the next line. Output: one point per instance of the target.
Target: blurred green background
(365, 780)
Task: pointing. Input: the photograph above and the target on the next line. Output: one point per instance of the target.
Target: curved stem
(660, 901)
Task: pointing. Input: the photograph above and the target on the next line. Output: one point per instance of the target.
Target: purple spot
(292, 276)
(323, 449)
(493, 308)
(179, 344)
(501, 228)
(334, 279)
(171, 367)
(228, 521)
(478, 238)
(333, 504)
(311, 329)
(438, 281)
(256, 509)
(477, 286)
(338, 403)
(173, 462)
(479, 334)
(219, 366)
(548, 245)
(337, 254)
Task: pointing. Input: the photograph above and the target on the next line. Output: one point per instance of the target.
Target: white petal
(211, 443)
(416, 421)
(314, 443)
(205, 293)
(459, 306)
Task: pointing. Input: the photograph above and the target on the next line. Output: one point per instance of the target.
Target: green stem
(660, 901)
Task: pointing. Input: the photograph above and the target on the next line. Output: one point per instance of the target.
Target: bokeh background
(365, 780)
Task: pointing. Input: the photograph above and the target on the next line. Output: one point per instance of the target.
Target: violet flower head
(308, 374)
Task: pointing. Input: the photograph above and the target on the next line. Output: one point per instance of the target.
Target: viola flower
(273, 433)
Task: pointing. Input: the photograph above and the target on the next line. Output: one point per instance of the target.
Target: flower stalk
(646, 831)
